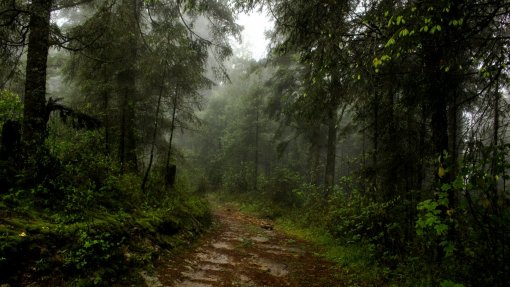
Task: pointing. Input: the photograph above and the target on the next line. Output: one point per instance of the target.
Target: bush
(469, 219)
(282, 188)
(237, 180)
(86, 223)
(11, 107)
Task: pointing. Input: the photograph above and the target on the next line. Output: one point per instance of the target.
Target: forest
(368, 147)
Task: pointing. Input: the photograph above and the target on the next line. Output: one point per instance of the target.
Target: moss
(106, 245)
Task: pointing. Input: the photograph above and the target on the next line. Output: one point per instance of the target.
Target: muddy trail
(246, 251)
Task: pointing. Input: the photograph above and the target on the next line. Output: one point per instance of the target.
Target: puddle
(273, 268)
(260, 239)
(222, 245)
(199, 276)
(214, 257)
(230, 234)
(244, 278)
(189, 283)
(276, 252)
(210, 267)
(245, 281)
(281, 248)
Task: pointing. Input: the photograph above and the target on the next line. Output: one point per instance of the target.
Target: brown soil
(246, 251)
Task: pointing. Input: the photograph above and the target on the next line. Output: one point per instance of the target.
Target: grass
(355, 261)
(332, 249)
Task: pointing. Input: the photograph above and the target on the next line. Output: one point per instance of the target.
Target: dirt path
(246, 251)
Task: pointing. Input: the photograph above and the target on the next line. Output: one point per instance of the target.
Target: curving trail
(246, 251)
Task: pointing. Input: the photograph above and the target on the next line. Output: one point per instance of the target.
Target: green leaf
(435, 28)
(441, 229)
(404, 32)
(385, 58)
(449, 248)
(390, 22)
(431, 221)
(390, 42)
(376, 62)
(400, 19)
(458, 183)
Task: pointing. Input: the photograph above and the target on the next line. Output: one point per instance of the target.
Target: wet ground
(245, 251)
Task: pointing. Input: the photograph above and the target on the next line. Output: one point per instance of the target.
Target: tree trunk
(122, 138)
(154, 134)
(329, 178)
(127, 78)
(127, 144)
(106, 123)
(314, 160)
(437, 96)
(495, 135)
(376, 138)
(495, 138)
(257, 127)
(438, 88)
(34, 116)
(169, 169)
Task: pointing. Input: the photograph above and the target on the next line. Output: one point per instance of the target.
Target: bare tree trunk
(423, 131)
(122, 143)
(127, 78)
(106, 123)
(437, 94)
(257, 127)
(35, 115)
(131, 154)
(376, 137)
(495, 138)
(127, 145)
(329, 179)
(154, 134)
(314, 154)
(168, 168)
(495, 131)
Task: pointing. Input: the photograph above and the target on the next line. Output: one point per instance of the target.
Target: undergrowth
(99, 249)
(87, 222)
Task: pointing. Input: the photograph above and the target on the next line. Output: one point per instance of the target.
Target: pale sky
(253, 35)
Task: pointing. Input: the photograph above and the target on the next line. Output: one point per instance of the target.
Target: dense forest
(377, 128)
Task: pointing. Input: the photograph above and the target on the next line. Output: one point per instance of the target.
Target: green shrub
(281, 188)
(86, 223)
(11, 107)
(465, 225)
(237, 180)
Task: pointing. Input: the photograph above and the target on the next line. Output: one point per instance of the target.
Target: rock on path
(246, 251)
